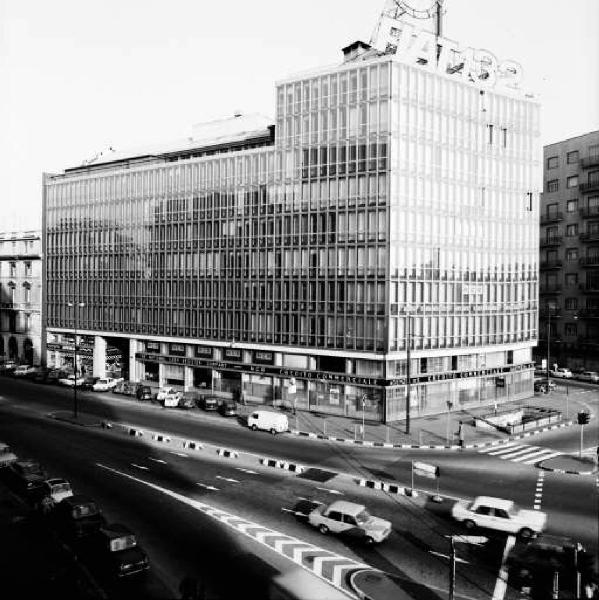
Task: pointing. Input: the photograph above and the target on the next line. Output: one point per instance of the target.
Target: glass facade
(389, 193)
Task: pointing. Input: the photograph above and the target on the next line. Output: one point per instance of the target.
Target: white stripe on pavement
(158, 460)
(526, 450)
(536, 453)
(491, 448)
(534, 460)
(140, 467)
(505, 449)
(501, 583)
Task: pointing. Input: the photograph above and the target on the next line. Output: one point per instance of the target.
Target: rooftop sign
(423, 48)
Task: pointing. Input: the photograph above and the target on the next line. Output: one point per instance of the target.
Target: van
(269, 421)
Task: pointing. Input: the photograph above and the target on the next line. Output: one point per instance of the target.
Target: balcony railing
(550, 264)
(589, 211)
(590, 186)
(589, 261)
(589, 161)
(553, 217)
(589, 236)
(552, 240)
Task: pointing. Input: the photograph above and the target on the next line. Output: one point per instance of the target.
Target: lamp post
(75, 306)
(548, 336)
(408, 374)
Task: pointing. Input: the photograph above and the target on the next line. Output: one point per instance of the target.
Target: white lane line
(491, 448)
(506, 449)
(528, 450)
(208, 487)
(537, 459)
(158, 460)
(140, 467)
(501, 583)
(230, 479)
(330, 491)
(533, 454)
(179, 454)
(246, 471)
(457, 558)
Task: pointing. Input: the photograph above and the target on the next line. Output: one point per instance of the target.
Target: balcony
(588, 313)
(553, 217)
(550, 264)
(550, 288)
(589, 236)
(589, 261)
(589, 161)
(552, 240)
(590, 186)
(589, 212)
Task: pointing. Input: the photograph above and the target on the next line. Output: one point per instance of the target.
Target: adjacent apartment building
(569, 245)
(389, 212)
(21, 322)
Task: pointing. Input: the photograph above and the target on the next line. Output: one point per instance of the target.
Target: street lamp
(408, 374)
(75, 306)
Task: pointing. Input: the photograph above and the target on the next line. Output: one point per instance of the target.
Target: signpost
(364, 398)
(429, 471)
(583, 419)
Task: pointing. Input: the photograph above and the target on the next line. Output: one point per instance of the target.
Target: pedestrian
(461, 435)
(242, 397)
(495, 407)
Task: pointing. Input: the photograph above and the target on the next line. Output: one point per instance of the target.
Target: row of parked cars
(109, 550)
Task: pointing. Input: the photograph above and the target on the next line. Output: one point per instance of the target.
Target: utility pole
(451, 568)
(408, 374)
(75, 306)
(548, 334)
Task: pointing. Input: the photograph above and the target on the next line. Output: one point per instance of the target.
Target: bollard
(420, 438)
(387, 438)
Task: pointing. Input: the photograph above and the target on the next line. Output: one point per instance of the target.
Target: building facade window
(553, 162)
(552, 209)
(571, 279)
(571, 303)
(572, 181)
(571, 329)
(27, 268)
(594, 151)
(594, 177)
(572, 157)
(572, 230)
(572, 206)
(572, 254)
(553, 185)
(13, 269)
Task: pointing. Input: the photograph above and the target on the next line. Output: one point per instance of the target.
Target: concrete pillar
(99, 356)
(161, 376)
(133, 363)
(188, 378)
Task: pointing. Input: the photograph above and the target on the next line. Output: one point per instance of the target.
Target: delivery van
(269, 421)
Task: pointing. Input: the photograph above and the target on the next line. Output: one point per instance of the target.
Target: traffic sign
(426, 470)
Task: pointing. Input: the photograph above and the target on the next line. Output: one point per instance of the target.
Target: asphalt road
(134, 483)
(570, 501)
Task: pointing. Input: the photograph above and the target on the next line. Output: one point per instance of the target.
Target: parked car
(104, 384)
(8, 367)
(23, 371)
(55, 375)
(591, 376)
(41, 375)
(187, 401)
(88, 383)
(7, 456)
(228, 408)
(126, 388)
(499, 514)
(26, 477)
(113, 551)
(169, 397)
(57, 488)
(269, 421)
(351, 519)
(208, 403)
(562, 372)
(143, 392)
(78, 516)
(71, 381)
(543, 385)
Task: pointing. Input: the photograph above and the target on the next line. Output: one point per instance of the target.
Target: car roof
(494, 502)
(56, 481)
(347, 508)
(115, 530)
(79, 499)
(28, 461)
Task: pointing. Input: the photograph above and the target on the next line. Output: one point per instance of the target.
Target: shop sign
(177, 349)
(435, 53)
(233, 353)
(152, 346)
(203, 351)
(69, 348)
(264, 358)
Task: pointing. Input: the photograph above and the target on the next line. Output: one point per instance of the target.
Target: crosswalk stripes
(520, 453)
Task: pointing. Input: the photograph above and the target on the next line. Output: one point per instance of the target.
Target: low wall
(499, 420)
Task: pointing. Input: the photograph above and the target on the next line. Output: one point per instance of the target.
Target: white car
(57, 488)
(591, 376)
(7, 456)
(70, 381)
(562, 372)
(104, 384)
(351, 519)
(499, 514)
(23, 371)
(169, 396)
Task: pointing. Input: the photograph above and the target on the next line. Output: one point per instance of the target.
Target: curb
(282, 464)
(567, 472)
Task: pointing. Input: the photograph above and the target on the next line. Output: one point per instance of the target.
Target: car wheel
(273, 431)
(323, 529)
(526, 533)
(369, 541)
(254, 428)
(469, 524)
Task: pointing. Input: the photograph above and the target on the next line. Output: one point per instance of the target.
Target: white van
(269, 421)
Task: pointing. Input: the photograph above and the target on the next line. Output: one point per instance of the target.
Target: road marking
(492, 448)
(179, 454)
(246, 471)
(506, 449)
(542, 458)
(526, 450)
(501, 583)
(208, 487)
(539, 491)
(330, 491)
(522, 453)
(457, 558)
(140, 467)
(158, 460)
(230, 479)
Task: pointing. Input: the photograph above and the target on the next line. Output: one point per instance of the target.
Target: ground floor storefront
(374, 388)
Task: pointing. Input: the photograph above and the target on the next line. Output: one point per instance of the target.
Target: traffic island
(570, 465)
(376, 585)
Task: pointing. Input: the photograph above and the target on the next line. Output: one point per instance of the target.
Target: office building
(21, 297)
(569, 246)
(389, 208)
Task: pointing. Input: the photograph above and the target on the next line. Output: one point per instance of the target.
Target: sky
(78, 76)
